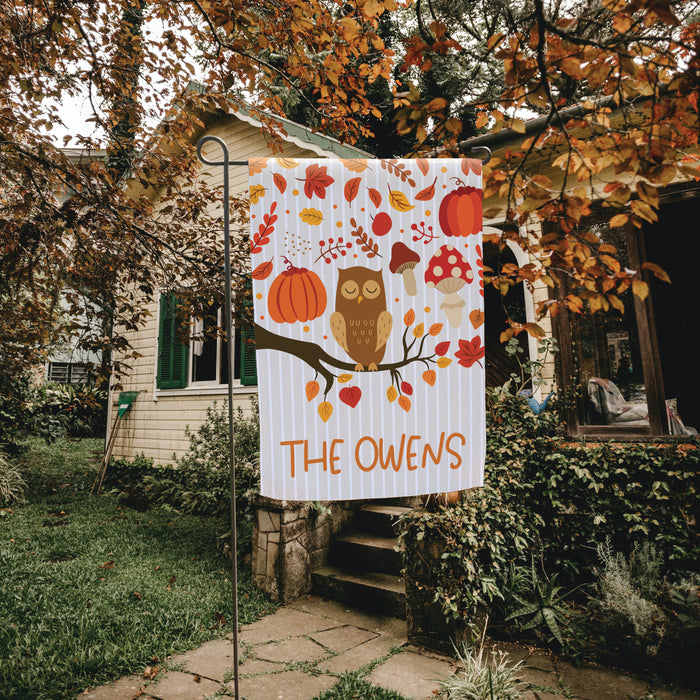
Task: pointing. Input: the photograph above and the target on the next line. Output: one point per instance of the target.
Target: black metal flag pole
(225, 164)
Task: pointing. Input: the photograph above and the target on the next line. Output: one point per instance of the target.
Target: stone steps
(372, 591)
(364, 568)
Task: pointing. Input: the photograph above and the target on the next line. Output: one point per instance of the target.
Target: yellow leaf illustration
(311, 216)
(325, 410)
(418, 331)
(443, 362)
(399, 201)
(391, 393)
(256, 192)
(288, 163)
(344, 378)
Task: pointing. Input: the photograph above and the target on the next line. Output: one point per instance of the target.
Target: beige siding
(156, 423)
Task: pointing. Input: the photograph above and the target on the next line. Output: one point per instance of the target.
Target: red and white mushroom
(403, 261)
(448, 271)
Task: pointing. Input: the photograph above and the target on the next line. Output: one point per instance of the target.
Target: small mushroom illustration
(448, 271)
(402, 262)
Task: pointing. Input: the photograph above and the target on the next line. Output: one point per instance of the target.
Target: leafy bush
(200, 480)
(14, 390)
(644, 615)
(555, 499)
(490, 678)
(12, 484)
(73, 410)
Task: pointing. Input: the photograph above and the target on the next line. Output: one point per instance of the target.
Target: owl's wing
(384, 323)
(338, 329)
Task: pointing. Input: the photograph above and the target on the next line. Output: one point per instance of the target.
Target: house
(625, 374)
(176, 383)
(631, 375)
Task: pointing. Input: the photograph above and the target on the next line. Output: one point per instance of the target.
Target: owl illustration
(360, 323)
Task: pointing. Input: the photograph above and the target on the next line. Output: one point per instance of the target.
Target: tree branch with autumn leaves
(413, 343)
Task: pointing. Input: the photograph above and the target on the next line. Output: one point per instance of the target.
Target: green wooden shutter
(249, 369)
(173, 355)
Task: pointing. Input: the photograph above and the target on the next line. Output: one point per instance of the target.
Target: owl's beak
(360, 298)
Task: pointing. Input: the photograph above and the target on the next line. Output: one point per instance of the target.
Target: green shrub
(490, 677)
(14, 393)
(72, 410)
(200, 480)
(12, 485)
(646, 616)
(555, 499)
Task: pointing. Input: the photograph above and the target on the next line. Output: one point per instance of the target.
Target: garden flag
(368, 292)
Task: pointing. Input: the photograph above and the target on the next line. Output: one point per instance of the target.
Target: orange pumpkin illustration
(460, 212)
(297, 294)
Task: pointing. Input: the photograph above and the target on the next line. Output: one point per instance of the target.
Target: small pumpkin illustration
(296, 294)
(460, 212)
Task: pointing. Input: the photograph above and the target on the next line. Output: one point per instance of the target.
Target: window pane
(608, 356)
(204, 349)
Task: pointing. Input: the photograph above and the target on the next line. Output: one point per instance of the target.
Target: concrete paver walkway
(298, 653)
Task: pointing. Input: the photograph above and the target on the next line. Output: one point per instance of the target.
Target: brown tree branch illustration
(320, 361)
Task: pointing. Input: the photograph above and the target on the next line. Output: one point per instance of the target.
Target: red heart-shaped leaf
(350, 395)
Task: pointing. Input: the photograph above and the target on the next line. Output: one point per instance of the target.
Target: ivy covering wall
(555, 500)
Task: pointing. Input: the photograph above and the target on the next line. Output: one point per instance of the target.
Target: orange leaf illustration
(476, 317)
(325, 410)
(409, 318)
(280, 181)
(428, 193)
(391, 393)
(435, 329)
(262, 271)
(355, 165)
(311, 390)
(423, 165)
(429, 376)
(405, 403)
(375, 196)
(418, 331)
(352, 187)
(256, 165)
(344, 378)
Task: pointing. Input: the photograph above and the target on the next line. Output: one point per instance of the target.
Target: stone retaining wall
(290, 539)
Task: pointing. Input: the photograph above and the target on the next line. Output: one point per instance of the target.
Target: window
(637, 373)
(67, 372)
(203, 360)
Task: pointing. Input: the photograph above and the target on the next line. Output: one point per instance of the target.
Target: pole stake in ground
(225, 164)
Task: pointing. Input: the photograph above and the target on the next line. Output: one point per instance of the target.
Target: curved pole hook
(484, 149)
(215, 139)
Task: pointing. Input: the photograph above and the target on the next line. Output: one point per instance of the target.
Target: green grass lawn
(91, 591)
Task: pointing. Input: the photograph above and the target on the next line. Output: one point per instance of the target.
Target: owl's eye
(371, 289)
(350, 289)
